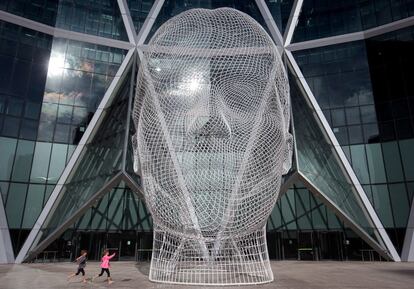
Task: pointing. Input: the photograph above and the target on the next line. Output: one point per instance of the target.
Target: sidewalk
(288, 275)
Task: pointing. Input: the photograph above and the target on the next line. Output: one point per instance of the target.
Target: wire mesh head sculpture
(212, 117)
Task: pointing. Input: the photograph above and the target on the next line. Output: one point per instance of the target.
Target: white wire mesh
(212, 116)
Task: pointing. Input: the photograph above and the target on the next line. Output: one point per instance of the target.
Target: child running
(105, 266)
(81, 260)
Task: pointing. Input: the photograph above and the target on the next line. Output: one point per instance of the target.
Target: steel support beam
(292, 22)
(128, 23)
(270, 22)
(149, 22)
(80, 212)
(345, 218)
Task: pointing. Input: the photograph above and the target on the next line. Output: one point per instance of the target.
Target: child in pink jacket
(105, 266)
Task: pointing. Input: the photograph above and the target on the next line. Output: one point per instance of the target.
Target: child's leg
(74, 274)
(99, 275)
(109, 276)
(83, 274)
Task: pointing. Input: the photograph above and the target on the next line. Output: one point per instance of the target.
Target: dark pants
(80, 270)
(105, 270)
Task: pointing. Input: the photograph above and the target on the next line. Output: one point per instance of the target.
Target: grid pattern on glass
(324, 18)
(339, 76)
(365, 93)
(23, 57)
(95, 17)
(319, 164)
(102, 160)
(78, 76)
(212, 114)
(139, 10)
(117, 211)
(43, 11)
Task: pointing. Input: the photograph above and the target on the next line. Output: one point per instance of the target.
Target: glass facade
(364, 91)
(51, 88)
(324, 18)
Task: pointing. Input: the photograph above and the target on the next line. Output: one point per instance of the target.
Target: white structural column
(62, 33)
(293, 21)
(6, 248)
(408, 248)
(77, 154)
(126, 18)
(348, 169)
(270, 22)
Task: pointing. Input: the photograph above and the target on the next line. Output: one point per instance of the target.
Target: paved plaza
(289, 275)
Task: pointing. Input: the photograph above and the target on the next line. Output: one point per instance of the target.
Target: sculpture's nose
(210, 126)
(206, 119)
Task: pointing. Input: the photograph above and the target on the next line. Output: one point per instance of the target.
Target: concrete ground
(288, 275)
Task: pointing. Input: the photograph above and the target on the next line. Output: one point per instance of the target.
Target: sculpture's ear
(287, 153)
(137, 166)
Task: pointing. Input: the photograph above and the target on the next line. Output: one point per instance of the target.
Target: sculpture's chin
(234, 261)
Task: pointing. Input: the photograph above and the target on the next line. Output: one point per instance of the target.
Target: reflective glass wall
(365, 93)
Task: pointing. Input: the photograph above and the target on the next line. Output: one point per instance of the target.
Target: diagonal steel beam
(76, 156)
(342, 159)
(75, 216)
(345, 218)
(149, 22)
(270, 22)
(293, 21)
(127, 19)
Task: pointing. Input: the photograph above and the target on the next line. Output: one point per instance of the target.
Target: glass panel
(303, 209)
(101, 18)
(375, 163)
(139, 10)
(359, 163)
(57, 163)
(115, 210)
(407, 154)
(7, 149)
(34, 202)
(11, 126)
(289, 209)
(41, 11)
(15, 204)
(23, 161)
(321, 18)
(393, 164)
(4, 187)
(40, 162)
(382, 205)
(49, 190)
(400, 204)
